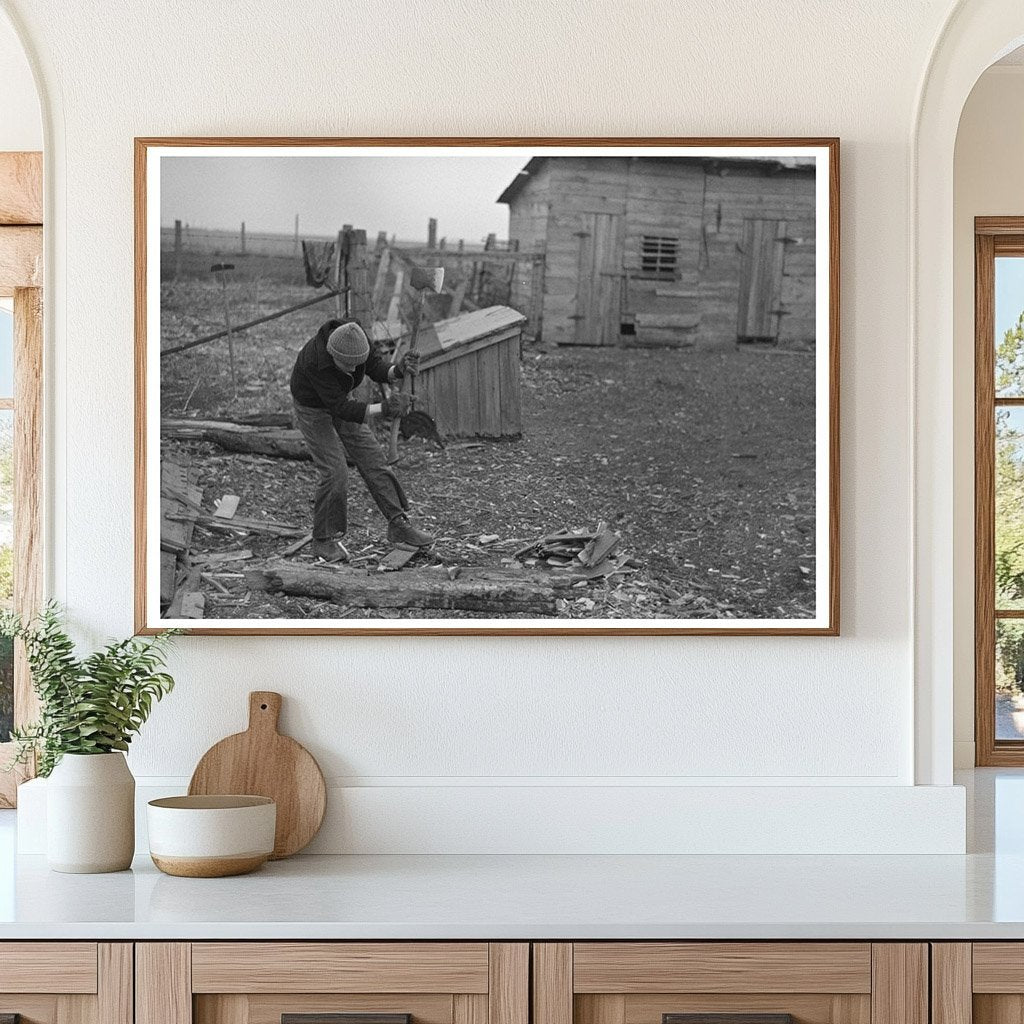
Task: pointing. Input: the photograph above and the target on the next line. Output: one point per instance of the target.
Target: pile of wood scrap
(180, 505)
(586, 554)
(183, 569)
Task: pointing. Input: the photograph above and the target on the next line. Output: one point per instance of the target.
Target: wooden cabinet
(66, 982)
(752, 982)
(264, 982)
(979, 982)
(494, 983)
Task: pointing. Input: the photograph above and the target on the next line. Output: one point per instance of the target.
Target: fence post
(432, 233)
(480, 271)
(383, 262)
(341, 273)
(357, 273)
(243, 237)
(295, 247)
(177, 249)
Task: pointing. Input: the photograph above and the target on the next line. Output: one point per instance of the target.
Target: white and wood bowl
(211, 836)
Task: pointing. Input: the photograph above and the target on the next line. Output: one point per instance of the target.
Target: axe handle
(406, 386)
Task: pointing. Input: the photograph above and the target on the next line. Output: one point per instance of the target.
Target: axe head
(427, 278)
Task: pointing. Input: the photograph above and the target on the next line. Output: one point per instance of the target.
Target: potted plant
(89, 710)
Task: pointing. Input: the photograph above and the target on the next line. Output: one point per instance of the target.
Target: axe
(421, 280)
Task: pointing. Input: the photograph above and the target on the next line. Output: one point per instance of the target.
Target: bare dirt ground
(702, 460)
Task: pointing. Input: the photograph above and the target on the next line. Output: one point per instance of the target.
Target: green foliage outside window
(1009, 510)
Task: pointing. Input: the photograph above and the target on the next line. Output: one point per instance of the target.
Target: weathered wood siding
(595, 213)
(528, 225)
(472, 388)
(580, 189)
(665, 199)
(732, 197)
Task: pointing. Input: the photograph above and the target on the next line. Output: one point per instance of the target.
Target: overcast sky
(396, 195)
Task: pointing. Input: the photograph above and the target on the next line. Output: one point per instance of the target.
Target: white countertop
(496, 897)
(977, 896)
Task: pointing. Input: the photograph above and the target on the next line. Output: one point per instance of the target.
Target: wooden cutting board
(262, 762)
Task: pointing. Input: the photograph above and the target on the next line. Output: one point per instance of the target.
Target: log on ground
(498, 591)
(281, 442)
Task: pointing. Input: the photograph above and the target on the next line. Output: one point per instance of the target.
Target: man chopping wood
(329, 367)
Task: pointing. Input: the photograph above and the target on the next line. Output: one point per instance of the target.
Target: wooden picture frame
(653, 262)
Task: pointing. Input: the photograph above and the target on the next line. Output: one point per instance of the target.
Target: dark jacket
(318, 383)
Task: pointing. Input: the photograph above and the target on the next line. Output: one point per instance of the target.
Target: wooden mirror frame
(21, 278)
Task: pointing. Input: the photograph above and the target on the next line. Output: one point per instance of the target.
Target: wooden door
(977, 983)
(760, 299)
(730, 983)
(599, 281)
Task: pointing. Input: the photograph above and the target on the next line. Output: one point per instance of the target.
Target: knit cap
(348, 343)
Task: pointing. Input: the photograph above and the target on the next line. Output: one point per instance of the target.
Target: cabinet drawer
(730, 983)
(634, 967)
(332, 983)
(340, 967)
(65, 967)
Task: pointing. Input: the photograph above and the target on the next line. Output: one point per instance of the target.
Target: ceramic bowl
(211, 836)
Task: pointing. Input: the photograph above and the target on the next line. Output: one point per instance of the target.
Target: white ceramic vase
(90, 814)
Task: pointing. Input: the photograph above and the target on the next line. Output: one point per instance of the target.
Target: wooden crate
(469, 379)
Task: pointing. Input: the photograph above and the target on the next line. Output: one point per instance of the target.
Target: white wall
(437, 713)
(21, 127)
(987, 181)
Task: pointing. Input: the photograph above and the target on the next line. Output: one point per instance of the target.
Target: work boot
(329, 550)
(403, 534)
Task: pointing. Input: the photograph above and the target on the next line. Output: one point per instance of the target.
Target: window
(999, 491)
(6, 512)
(21, 364)
(659, 256)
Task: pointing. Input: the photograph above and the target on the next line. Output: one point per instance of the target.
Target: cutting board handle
(264, 710)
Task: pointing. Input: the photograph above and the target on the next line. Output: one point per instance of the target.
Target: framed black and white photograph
(506, 386)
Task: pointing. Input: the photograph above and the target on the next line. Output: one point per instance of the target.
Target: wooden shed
(469, 378)
(668, 250)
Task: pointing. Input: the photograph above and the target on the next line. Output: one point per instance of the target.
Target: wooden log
(279, 442)
(497, 591)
